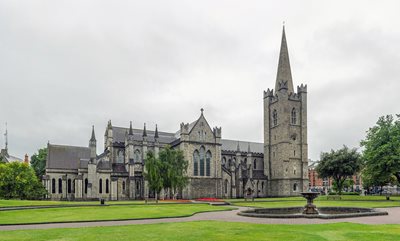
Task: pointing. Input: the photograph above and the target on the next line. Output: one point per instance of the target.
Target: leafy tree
(38, 162)
(18, 180)
(382, 152)
(339, 165)
(174, 169)
(153, 173)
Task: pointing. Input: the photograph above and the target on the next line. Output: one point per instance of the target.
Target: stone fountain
(310, 208)
(311, 211)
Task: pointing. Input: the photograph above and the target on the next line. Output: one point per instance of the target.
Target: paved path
(228, 216)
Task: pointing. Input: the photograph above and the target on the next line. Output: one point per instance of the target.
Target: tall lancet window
(208, 163)
(196, 158)
(202, 154)
(275, 117)
(294, 116)
(136, 155)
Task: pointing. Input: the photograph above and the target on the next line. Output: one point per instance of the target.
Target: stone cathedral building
(217, 167)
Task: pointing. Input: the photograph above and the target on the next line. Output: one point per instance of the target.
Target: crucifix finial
(201, 110)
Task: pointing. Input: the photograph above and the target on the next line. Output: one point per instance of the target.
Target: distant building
(325, 184)
(4, 155)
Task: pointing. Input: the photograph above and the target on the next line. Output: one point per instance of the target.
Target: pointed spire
(6, 138)
(284, 74)
(109, 125)
(130, 129)
(156, 133)
(248, 147)
(144, 130)
(238, 147)
(93, 137)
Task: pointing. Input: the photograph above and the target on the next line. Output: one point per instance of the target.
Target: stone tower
(285, 132)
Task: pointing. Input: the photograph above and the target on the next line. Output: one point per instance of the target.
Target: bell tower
(285, 132)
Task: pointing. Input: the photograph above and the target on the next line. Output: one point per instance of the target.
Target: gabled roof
(66, 157)
(10, 158)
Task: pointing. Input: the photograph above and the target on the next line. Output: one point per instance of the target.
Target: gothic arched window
(60, 185)
(255, 164)
(294, 116)
(107, 186)
(53, 185)
(295, 187)
(226, 186)
(196, 158)
(136, 155)
(208, 163)
(123, 186)
(275, 117)
(69, 187)
(202, 154)
(100, 185)
(86, 185)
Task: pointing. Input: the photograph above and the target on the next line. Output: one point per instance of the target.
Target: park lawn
(212, 230)
(26, 203)
(114, 212)
(19, 203)
(320, 198)
(278, 204)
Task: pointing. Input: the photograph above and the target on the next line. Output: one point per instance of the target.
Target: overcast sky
(68, 65)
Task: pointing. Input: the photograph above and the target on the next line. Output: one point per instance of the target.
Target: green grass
(322, 201)
(362, 204)
(103, 213)
(322, 198)
(213, 230)
(20, 203)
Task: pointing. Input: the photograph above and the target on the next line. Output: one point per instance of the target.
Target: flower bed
(209, 199)
(176, 200)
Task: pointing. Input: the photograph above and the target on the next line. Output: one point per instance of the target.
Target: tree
(382, 152)
(339, 165)
(18, 180)
(174, 169)
(38, 162)
(153, 173)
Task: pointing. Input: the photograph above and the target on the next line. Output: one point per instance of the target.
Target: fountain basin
(324, 212)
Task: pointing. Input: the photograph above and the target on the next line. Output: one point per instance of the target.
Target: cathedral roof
(231, 145)
(163, 137)
(66, 157)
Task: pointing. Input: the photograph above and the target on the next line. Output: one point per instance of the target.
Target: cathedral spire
(284, 74)
(6, 138)
(144, 130)
(130, 129)
(93, 137)
(156, 133)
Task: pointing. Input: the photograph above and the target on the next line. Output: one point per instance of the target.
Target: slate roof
(164, 137)
(66, 157)
(258, 174)
(231, 145)
(103, 165)
(10, 158)
(119, 167)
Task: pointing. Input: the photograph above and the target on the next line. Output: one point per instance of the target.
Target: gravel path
(228, 216)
